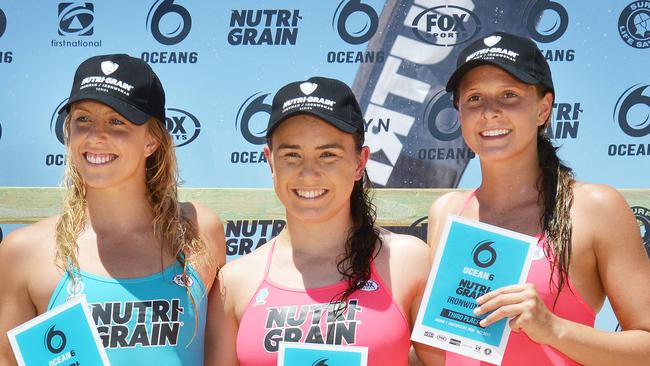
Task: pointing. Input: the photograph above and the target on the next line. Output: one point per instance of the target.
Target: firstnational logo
(76, 19)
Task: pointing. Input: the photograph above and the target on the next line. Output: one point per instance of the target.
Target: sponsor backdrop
(220, 63)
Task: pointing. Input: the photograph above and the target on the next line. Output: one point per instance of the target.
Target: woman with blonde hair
(144, 260)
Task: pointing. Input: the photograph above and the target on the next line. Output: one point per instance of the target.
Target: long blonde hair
(175, 232)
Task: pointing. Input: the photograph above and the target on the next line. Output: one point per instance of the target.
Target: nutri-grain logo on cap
(109, 67)
(308, 88)
(493, 53)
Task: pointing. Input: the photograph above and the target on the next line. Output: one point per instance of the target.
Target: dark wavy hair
(555, 186)
(364, 241)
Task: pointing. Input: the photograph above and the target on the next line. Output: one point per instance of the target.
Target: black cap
(518, 56)
(124, 83)
(329, 99)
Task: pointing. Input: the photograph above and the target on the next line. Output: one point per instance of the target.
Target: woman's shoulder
(31, 237)
(591, 199)
(28, 247)
(451, 202)
(404, 251)
(201, 215)
(248, 268)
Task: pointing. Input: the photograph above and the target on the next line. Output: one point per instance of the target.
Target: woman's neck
(507, 183)
(125, 209)
(324, 239)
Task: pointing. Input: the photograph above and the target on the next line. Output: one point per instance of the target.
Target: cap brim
(455, 78)
(131, 113)
(341, 125)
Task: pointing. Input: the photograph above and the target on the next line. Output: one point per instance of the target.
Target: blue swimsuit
(144, 321)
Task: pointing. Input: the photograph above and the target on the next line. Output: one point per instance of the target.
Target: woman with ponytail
(144, 260)
(331, 276)
(589, 245)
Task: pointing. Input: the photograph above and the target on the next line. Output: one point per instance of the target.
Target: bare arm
(222, 325)
(16, 306)
(623, 268)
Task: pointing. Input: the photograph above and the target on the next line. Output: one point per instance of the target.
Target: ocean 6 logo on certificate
(55, 340)
(355, 21)
(634, 24)
(168, 22)
(76, 19)
(547, 21)
(484, 254)
(642, 215)
(446, 25)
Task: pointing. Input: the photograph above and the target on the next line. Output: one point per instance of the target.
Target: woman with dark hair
(122, 239)
(589, 245)
(331, 276)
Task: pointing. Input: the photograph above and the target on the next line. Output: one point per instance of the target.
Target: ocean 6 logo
(642, 215)
(182, 125)
(55, 340)
(632, 111)
(634, 24)
(355, 21)
(547, 21)
(76, 19)
(446, 25)
(252, 118)
(320, 362)
(483, 254)
(57, 121)
(169, 23)
(441, 118)
(3, 22)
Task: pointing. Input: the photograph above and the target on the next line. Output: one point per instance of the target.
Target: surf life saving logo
(260, 298)
(634, 24)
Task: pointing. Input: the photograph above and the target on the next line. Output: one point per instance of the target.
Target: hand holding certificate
(471, 260)
(63, 336)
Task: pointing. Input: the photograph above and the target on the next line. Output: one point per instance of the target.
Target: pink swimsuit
(570, 305)
(277, 313)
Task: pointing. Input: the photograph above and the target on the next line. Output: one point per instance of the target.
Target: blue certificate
(471, 260)
(306, 354)
(63, 336)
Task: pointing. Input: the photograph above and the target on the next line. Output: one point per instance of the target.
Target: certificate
(63, 336)
(471, 260)
(307, 354)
